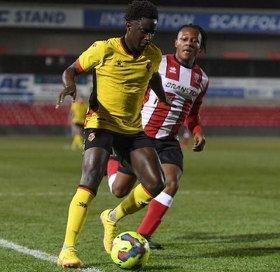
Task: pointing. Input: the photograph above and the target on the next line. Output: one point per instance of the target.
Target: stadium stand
(33, 115)
(240, 116)
(230, 54)
(34, 119)
(39, 118)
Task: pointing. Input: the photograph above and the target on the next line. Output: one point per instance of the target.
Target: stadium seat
(211, 116)
(34, 115)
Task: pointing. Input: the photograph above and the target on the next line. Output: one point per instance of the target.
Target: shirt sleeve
(91, 57)
(193, 120)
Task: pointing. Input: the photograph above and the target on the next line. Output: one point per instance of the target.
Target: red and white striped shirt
(186, 87)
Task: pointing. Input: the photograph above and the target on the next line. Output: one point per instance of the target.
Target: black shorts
(123, 144)
(169, 151)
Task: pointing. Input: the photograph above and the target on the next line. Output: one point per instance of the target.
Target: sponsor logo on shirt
(184, 90)
(196, 78)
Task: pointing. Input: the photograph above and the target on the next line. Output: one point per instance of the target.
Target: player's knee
(91, 180)
(119, 193)
(171, 188)
(160, 188)
(155, 188)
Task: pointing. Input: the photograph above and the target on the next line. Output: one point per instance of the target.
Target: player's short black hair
(140, 9)
(202, 33)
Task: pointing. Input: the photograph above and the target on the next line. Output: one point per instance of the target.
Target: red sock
(112, 167)
(153, 218)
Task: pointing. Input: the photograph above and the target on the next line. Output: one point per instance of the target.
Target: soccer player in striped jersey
(185, 83)
(124, 66)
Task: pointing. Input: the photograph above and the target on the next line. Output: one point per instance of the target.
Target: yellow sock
(77, 215)
(80, 141)
(137, 199)
(75, 141)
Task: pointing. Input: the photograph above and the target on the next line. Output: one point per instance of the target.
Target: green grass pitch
(225, 216)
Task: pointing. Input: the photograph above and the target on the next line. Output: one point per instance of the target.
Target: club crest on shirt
(172, 70)
(91, 136)
(149, 66)
(196, 78)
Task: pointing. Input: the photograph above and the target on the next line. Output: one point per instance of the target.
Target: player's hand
(70, 90)
(168, 102)
(199, 142)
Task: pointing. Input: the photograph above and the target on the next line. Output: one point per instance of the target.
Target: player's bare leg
(94, 162)
(153, 183)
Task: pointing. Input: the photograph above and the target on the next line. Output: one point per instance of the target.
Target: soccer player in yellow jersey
(124, 68)
(78, 112)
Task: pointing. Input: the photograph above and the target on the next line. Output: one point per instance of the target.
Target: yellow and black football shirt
(122, 80)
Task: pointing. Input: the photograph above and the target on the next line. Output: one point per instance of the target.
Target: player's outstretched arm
(68, 78)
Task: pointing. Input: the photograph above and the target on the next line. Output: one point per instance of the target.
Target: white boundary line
(39, 254)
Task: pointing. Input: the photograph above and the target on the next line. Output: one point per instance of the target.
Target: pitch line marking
(38, 254)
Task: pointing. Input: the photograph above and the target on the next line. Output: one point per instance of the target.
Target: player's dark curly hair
(202, 33)
(139, 9)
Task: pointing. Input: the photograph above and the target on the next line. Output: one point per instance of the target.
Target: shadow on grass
(212, 238)
(208, 238)
(242, 252)
(160, 268)
(237, 252)
(145, 268)
(198, 238)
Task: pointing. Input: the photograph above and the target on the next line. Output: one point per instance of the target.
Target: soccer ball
(130, 250)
